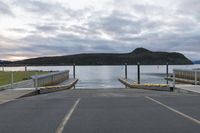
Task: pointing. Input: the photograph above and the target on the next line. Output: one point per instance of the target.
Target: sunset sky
(34, 28)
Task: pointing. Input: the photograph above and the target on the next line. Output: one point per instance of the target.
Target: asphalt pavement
(102, 111)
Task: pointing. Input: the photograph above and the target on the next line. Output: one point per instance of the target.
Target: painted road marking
(67, 117)
(174, 110)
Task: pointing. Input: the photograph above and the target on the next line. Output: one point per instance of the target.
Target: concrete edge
(180, 80)
(179, 90)
(33, 93)
(49, 89)
(45, 90)
(136, 86)
(7, 101)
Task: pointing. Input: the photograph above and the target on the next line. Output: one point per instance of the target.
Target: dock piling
(74, 71)
(138, 74)
(126, 71)
(126, 77)
(167, 72)
(174, 79)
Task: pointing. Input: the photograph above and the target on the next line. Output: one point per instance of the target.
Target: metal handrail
(186, 74)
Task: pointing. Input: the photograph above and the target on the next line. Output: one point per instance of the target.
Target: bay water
(107, 76)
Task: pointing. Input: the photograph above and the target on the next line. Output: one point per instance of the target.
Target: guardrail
(186, 76)
(50, 79)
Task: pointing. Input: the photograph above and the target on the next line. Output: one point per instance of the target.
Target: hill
(144, 56)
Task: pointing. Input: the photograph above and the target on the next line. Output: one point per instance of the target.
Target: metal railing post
(36, 83)
(25, 69)
(12, 80)
(3, 68)
(195, 77)
(138, 72)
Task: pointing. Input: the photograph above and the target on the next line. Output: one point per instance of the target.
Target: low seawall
(50, 79)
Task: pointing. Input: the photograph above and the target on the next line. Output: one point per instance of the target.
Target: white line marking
(174, 110)
(67, 117)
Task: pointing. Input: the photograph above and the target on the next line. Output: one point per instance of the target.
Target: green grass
(5, 77)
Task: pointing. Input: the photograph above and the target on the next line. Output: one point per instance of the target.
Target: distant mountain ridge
(196, 62)
(4, 62)
(144, 56)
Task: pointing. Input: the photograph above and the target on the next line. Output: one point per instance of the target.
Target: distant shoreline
(94, 65)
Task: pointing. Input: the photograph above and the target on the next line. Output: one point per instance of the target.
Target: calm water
(107, 76)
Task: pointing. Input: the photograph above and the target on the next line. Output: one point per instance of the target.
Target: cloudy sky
(34, 28)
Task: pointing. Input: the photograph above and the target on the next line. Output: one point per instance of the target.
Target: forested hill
(141, 55)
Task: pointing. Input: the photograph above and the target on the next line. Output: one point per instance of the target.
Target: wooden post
(12, 80)
(138, 72)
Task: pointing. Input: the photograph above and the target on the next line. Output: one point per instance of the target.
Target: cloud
(40, 7)
(5, 9)
(190, 8)
(18, 30)
(117, 23)
(48, 27)
(51, 10)
(66, 44)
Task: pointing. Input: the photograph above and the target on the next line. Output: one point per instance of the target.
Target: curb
(185, 91)
(138, 86)
(45, 90)
(49, 89)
